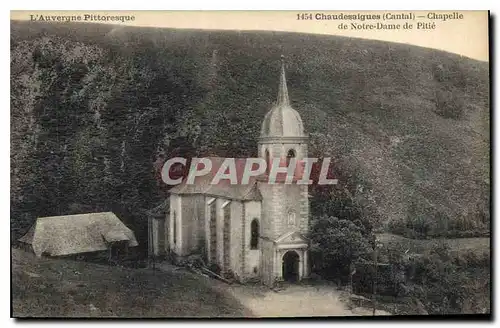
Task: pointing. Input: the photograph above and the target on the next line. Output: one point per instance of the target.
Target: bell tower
(282, 133)
(285, 205)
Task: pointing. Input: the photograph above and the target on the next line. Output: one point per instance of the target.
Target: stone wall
(267, 262)
(236, 236)
(251, 260)
(211, 230)
(192, 214)
(279, 200)
(303, 223)
(175, 211)
(219, 232)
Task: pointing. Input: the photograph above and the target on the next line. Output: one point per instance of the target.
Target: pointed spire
(283, 90)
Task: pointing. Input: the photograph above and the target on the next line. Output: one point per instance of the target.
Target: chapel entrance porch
(291, 266)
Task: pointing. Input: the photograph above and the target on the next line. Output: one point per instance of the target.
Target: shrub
(449, 283)
(335, 245)
(449, 104)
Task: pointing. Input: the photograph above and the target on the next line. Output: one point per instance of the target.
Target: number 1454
(304, 16)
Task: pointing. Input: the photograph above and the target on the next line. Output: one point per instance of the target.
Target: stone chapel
(252, 231)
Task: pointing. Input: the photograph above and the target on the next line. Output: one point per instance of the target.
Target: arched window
(289, 155)
(174, 217)
(268, 162)
(254, 238)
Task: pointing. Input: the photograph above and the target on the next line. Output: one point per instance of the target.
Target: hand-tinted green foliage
(96, 109)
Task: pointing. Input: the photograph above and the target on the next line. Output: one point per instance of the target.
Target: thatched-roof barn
(80, 233)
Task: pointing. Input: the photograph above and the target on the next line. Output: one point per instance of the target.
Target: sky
(464, 33)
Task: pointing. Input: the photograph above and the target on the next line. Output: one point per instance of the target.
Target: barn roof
(80, 233)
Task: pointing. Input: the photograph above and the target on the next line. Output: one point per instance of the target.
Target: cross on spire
(283, 90)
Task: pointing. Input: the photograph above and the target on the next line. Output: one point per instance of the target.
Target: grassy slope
(64, 288)
(410, 125)
(414, 246)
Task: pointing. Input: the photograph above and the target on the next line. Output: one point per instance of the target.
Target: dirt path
(292, 300)
(296, 301)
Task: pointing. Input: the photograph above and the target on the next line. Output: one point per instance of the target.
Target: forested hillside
(96, 109)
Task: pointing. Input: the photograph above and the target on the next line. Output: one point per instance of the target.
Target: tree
(336, 244)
